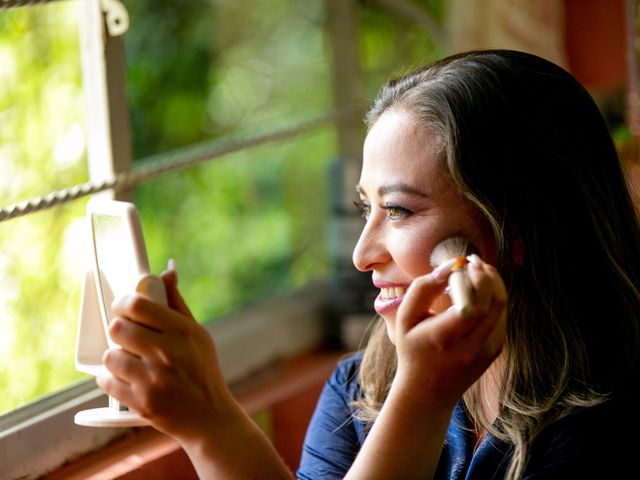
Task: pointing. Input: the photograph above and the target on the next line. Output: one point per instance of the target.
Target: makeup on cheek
(450, 257)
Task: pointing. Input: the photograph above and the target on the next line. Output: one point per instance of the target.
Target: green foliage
(253, 224)
(391, 45)
(41, 149)
(244, 227)
(198, 70)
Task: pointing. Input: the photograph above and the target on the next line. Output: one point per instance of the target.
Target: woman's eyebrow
(402, 188)
(392, 188)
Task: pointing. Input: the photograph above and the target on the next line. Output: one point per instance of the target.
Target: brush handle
(460, 292)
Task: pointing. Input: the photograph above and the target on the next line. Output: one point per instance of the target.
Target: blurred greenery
(41, 149)
(241, 228)
(252, 224)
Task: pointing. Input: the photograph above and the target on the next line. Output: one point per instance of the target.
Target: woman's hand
(167, 368)
(441, 355)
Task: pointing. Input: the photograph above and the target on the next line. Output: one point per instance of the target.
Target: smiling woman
(515, 388)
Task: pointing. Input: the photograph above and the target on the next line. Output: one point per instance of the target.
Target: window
(230, 218)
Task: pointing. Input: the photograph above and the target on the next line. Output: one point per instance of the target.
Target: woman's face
(410, 204)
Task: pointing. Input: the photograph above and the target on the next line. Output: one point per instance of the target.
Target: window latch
(117, 17)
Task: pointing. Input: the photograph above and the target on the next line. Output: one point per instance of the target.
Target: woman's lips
(388, 299)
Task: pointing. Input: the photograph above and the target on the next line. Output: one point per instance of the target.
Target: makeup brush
(451, 255)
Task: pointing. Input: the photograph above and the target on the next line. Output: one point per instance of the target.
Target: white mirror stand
(91, 344)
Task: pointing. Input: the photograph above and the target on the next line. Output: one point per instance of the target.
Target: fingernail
(171, 264)
(474, 260)
(442, 271)
(437, 274)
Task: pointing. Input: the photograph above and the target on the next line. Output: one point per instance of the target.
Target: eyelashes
(363, 208)
(394, 212)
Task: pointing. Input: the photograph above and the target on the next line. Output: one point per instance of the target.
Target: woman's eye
(365, 209)
(395, 212)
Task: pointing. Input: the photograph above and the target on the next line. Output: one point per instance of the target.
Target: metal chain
(7, 4)
(158, 165)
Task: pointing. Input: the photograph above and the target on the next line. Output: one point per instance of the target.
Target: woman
(539, 381)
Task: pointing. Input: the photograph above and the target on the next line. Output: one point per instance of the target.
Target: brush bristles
(450, 248)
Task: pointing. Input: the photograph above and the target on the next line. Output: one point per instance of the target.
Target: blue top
(600, 442)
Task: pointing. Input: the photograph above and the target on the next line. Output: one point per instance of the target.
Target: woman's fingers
(416, 304)
(487, 284)
(135, 337)
(447, 328)
(483, 286)
(124, 365)
(116, 388)
(136, 383)
(147, 328)
(151, 314)
(488, 322)
(438, 331)
(170, 279)
(147, 312)
(126, 371)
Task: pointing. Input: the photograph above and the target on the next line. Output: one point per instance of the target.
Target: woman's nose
(370, 249)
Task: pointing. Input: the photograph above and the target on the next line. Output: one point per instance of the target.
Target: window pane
(41, 270)
(253, 224)
(41, 101)
(41, 149)
(245, 227)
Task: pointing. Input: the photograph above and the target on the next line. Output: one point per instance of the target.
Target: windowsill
(147, 453)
